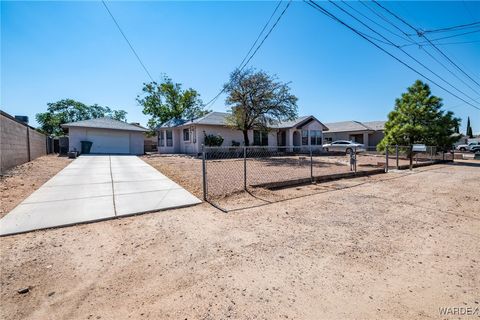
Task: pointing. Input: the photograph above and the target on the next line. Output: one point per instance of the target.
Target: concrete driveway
(94, 188)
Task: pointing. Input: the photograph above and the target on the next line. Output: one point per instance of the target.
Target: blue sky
(55, 50)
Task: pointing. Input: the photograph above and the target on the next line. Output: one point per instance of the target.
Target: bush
(212, 140)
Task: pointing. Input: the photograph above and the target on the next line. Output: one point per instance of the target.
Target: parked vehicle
(467, 147)
(475, 148)
(344, 146)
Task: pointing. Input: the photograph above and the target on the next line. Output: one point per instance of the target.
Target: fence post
(311, 164)
(204, 173)
(355, 159)
(386, 158)
(245, 168)
(396, 156)
(411, 157)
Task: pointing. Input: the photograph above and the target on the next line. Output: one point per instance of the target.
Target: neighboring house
(108, 136)
(367, 133)
(182, 136)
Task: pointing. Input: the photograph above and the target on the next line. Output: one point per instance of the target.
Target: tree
(469, 129)
(418, 118)
(167, 100)
(258, 100)
(69, 110)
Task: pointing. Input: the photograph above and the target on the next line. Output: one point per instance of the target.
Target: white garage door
(109, 141)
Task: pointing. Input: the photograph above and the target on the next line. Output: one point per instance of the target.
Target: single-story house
(107, 135)
(368, 133)
(187, 136)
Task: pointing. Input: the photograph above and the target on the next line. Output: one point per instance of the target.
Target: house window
(260, 138)
(169, 135)
(186, 134)
(161, 138)
(328, 140)
(304, 137)
(315, 137)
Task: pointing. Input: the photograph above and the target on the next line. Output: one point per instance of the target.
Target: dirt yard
(19, 182)
(393, 246)
(226, 176)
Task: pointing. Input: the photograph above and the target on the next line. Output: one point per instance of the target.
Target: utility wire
(438, 61)
(453, 28)
(128, 42)
(409, 55)
(443, 38)
(261, 32)
(244, 63)
(319, 8)
(378, 24)
(429, 41)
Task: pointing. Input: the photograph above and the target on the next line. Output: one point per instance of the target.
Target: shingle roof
(375, 125)
(218, 119)
(345, 126)
(104, 123)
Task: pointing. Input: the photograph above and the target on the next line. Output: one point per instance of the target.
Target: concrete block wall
(38, 144)
(14, 146)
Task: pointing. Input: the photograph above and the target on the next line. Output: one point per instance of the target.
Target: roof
(218, 119)
(104, 123)
(346, 126)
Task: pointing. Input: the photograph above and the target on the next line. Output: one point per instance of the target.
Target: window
(328, 140)
(260, 138)
(169, 138)
(304, 137)
(161, 138)
(186, 134)
(315, 137)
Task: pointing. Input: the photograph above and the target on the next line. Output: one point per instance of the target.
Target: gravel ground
(393, 246)
(19, 182)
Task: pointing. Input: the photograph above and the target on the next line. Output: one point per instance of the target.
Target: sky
(55, 50)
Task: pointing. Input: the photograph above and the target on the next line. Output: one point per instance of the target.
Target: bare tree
(257, 101)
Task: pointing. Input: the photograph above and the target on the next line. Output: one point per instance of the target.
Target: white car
(344, 146)
(467, 147)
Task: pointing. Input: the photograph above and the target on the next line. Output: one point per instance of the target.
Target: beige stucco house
(181, 136)
(108, 136)
(368, 133)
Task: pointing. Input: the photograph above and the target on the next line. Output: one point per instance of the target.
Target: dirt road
(399, 246)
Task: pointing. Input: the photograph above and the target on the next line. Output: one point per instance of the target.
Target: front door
(281, 138)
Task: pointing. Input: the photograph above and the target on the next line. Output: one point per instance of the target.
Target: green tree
(257, 101)
(167, 100)
(418, 118)
(469, 129)
(69, 110)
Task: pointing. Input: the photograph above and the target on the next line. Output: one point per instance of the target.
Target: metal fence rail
(263, 172)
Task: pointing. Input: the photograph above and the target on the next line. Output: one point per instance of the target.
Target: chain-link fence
(253, 175)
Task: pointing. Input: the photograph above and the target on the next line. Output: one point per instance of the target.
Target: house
(182, 136)
(368, 133)
(108, 136)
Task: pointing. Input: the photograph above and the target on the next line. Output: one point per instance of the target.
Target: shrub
(212, 140)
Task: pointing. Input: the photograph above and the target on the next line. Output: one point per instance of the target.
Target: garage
(107, 135)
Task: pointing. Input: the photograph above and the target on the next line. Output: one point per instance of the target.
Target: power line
(429, 41)
(261, 32)
(241, 67)
(454, 28)
(442, 38)
(439, 62)
(405, 52)
(128, 42)
(319, 8)
(378, 24)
